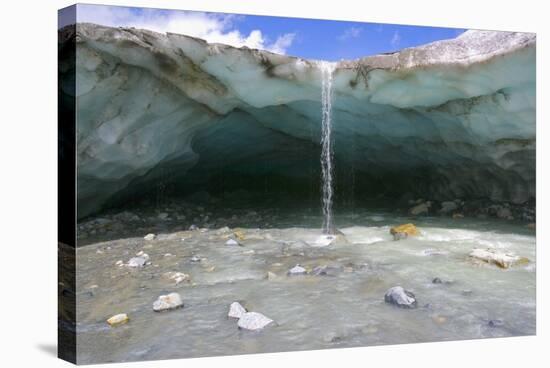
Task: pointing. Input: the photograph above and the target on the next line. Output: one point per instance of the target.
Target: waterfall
(327, 70)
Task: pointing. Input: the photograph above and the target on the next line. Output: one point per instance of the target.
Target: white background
(28, 153)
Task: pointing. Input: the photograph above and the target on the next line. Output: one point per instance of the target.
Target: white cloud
(214, 28)
(352, 32)
(396, 39)
(282, 43)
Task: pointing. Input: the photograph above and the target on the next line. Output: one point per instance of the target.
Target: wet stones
(253, 321)
(437, 280)
(236, 310)
(167, 302)
(502, 260)
(403, 231)
(178, 277)
(118, 319)
(400, 297)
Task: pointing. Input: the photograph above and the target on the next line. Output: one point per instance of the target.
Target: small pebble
(118, 319)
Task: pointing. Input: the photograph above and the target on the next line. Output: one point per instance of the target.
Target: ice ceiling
(451, 119)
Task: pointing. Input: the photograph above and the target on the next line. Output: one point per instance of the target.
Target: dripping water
(327, 164)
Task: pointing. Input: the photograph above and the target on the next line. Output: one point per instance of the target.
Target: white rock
(119, 262)
(503, 260)
(253, 321)
(400, 297)
(167, 302)
(297, 270)
(232, 242)
(137, 262)
(236, 310)
(149, 237)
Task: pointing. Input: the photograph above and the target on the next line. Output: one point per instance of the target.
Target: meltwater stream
(340, 306)
(327, 69)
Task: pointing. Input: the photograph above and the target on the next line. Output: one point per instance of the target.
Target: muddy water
(342, 309)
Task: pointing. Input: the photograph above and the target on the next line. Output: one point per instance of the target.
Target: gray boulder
(253, 321)
(236, 310)
(167, 302)
(400, 297)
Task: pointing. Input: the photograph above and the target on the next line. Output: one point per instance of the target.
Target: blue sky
(307, 38)
(335, 40)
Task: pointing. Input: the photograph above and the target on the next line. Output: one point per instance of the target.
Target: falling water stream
(327, 70)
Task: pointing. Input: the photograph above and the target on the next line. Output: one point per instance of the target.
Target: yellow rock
(408, 229)
(118, 319)
(239, 234)
(522, 261)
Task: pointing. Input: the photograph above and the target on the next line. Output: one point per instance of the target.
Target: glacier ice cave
(451, 119)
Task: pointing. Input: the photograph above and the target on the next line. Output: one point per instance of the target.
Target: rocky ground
(210, 212)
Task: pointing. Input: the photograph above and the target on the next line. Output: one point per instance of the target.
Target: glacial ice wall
(451, 119)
